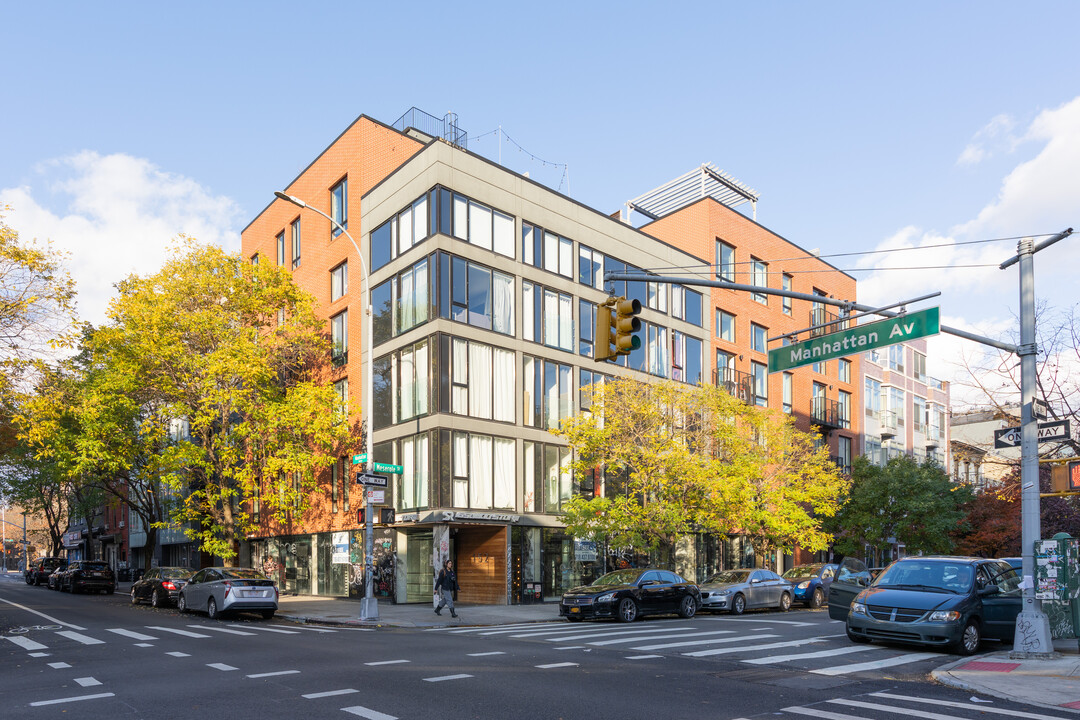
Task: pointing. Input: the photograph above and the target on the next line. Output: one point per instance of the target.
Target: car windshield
(177, 572)
(243, 573)
(729, 577)
(935, 576)
(803, 571)
(94, 566)
(619, 577)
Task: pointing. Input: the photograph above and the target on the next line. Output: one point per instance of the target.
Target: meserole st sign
(856, 340)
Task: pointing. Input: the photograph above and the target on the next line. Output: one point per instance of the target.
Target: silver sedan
(221, 590)
(740, 590)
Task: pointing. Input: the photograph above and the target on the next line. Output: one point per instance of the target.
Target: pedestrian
(445, 586)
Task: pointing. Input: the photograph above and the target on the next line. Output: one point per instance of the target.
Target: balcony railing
(445, 127)
(889, 424)
(934, 436)
(825, 413)
(831, 321)
(735, 383)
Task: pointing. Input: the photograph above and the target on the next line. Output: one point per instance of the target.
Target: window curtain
(406, 315)
(505, 480)
(461, 218)
(528, 329)
(503, 391)
(420, 220)
(551, 318)
(480, 374)
(405, 231)
(459, 389)
(566, 257)
(480, 477)
(565, 476)
(480, 226)
(504, 234)
(528, 383)
(529, 504)
(421, 367)
(408, 477)
(566, 323)
(408, 381)
(551, 252)
(551, 395)
(420, 303)
(461, 469)
(502, 288)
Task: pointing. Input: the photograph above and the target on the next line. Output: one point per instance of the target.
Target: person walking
(445, 586)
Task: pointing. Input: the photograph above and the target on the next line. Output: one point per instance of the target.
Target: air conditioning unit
(120, 524)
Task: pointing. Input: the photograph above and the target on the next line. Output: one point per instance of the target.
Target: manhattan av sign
(855, 340)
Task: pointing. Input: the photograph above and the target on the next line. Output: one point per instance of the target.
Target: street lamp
(369, 606)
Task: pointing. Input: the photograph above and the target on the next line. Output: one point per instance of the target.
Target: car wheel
(785, 602)
(211, 609)
(573, 619)
(181, 603)
(738, 605)
(111, 590)
(37, 580)
(968, 642)
(687, 608)
(268, 614)
(855, 638)
(628, 610)
(134, 599)
(28, 580)
(155, 598)
(817, 599)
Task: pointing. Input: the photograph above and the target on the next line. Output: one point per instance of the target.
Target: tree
(681, 459)
(917, 504)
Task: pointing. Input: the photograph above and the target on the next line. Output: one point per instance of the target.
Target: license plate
(575, 609)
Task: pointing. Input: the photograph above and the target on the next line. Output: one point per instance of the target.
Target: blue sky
(861, 125)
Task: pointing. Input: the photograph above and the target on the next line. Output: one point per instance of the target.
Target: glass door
(419, 577)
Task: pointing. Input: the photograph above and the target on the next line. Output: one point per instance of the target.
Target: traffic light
(386, 516)
(616, 325)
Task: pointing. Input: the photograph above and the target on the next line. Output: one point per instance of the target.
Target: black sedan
(629, 594)
(86, 575)
(161, 585)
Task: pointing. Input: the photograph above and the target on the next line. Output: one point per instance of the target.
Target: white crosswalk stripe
(875, 711)
(711, 641)
(876, 664)
(80, 638)
(824, 714)
(589, 636)
(221, 630)
(519, 626)
(766, 646)
(266, 629)
(620, 641)
(131, 634)
(811, 655)
(952, 704)
(175, 631)
(26, 643)
(878, 708)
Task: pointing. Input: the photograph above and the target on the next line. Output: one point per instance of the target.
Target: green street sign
(856, 340)
(388, 468)
(359, 459)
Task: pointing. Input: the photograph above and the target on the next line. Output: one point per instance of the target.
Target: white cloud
(116, 215)
(992, 138)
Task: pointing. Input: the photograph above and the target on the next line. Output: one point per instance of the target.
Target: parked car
(55, 578)
(39, 570)
(86, 575)
(951, 602)
(739, 590)
(221, 590)
(811, 582)
(629, 594)
(161, 585)
(1016, 562)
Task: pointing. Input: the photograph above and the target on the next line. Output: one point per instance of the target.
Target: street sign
(1040, 409)
(387, 468)
(359, 459)
(375, 497)
(856, 340)
(372, 480)
(1048, 432)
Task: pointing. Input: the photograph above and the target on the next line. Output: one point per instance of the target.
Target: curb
(945, 677)
(308, 620)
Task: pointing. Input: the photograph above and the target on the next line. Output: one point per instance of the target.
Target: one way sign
(1048, 432)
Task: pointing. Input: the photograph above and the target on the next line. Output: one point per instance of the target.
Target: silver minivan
(220, 590)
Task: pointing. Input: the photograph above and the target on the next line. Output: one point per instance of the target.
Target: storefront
(328, 564)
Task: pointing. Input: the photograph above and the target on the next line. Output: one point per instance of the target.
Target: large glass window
(586, 327)
(339, 281)
(685, 358)
(658, 293)
(658, 350)
(413, 484)
(547, 392)
(481, 379)
(588, 383)
(339, 207)
(759, 338)
(725, 326)
(896, 358)
(548, 478)
(918, 414)
(411, 297)
(843, 371)
(872, 397)
(590, 267)
(544, 249)
(785, 284)
(760, 278)
(339, 337)
(475, 294)
(725, 262)
(787, 393)
(404, 231)
(382, 310)
(686, 304)
(341, 389)
(483, 471)
(759, 375)
(918, 370)
(845, 409)
(896, 404)
(465, 219)
(552, 316)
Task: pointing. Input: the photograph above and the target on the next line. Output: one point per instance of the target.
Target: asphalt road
(96, 656)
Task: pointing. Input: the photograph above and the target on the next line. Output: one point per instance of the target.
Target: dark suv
(88, 575)
(39, 570)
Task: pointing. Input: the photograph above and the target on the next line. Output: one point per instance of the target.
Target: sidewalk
(1051, 683)
(342, 611)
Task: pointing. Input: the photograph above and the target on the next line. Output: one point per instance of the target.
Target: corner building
(484, 292)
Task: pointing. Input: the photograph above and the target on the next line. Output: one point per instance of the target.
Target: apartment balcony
(825, 413)
(889, 424)
(830, 320)
(735, 383)
(934, 437)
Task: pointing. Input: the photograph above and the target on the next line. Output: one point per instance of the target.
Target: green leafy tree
(917, 504)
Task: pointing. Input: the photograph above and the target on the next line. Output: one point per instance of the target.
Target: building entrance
(419, 575)
(481, 564)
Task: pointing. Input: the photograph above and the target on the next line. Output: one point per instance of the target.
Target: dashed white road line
(275, 674)
(131, 634)
(794, 623)
(87, 681)
(570, 647)
(446, 677)
(368, 713)
(710, 641)
(549, 666)
(175, 631)
(641, 657)
(619, 641)
(84, 639)
(39, 703)
(876, 664)
(26, 643)
(220, 666)
(267, 629)
(222, 630)
(811, 655)
(59, 665)
(144, 644)
(39, 654)
(329, 693)
(178, 654)
(485, 654)
(766, 646)
(388, 662)
(41, 614)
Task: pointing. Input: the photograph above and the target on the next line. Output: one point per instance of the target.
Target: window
(548, 478)
(404, 231)
(255, 259)
(341, 389)
(586, 327)
(548, 316)
(843, 451)
(918, 369)
(818, 367)
(339, 207)
(280, 240)
(787, 393)
(759, 338)
(725, 262)
(785, 284)
(339, 281)
(896, 405)
(544, 249)
(339, 338)
(843, 372)
(759, 278)
(686, 304)
(589, 382)
(844, 405)
(482, 470)
(658, 293)
(590, 267)
(335, 478)
(872, 397)
(547, 392)
(918, 414)
(413, 487)
(896, 358)
(411, 368)
(481, 380)
(475, 294)
(725, 326)
(658, 350)
(296, 243)
(759, 374)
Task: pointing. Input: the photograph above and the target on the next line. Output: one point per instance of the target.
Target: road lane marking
(178, 654)
(965, 706)
(144, 644)
(749, 648)
(823, 714)
(87, 681)
(877, 664)
(485, 654)
(594, 631)
(388, 662)
(368, 713)
(175, 631)
(711, 641)
(795, 623)
(220, 666)
(26, 643)
(41, 614)
(266, 629)
(85, 640)
(39, 654)
(39, 703)
(520, 626)
(811, 655)
(556, 665)
(896, 710)
(59, 665)
(661, 637)
(319, 629)
(446, 677)
(570, 647)
(131, 634)
(589, 636)
(275, 674)
(329, 693)
(222, 630)
(641, 657)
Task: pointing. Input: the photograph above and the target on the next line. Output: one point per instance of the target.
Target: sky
(862, 126)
